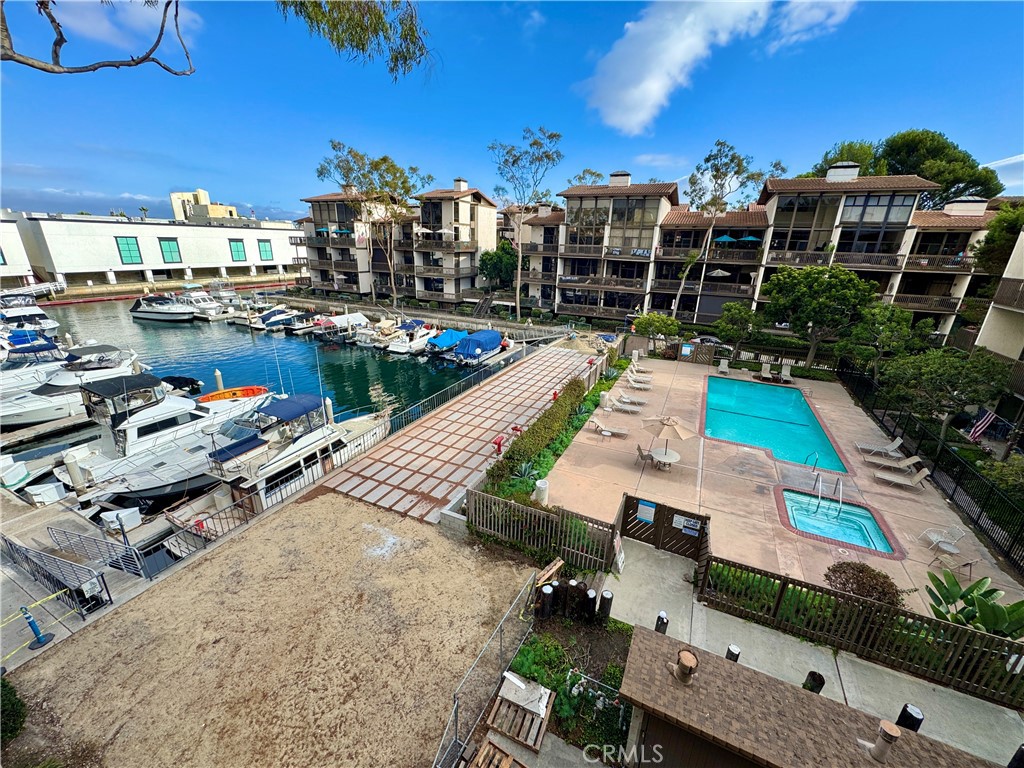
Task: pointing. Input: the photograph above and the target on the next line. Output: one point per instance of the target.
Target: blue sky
(645, 87)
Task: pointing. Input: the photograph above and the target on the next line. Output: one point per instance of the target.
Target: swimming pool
(767, 416)
(848, 524)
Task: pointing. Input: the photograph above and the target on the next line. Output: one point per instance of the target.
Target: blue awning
(293, 407)
(237, 449)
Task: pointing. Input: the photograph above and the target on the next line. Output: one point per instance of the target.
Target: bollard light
(661, 625)
(732, 653)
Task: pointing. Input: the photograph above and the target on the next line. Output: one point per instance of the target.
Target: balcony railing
(886, 261)
(591, 310)
(296, 240)
(918, 262)
(304, 281)
(432, 271)
(436, 296)
(1010, 293)
(321, 264)
(797, 258)
(300, 261)
(925, 303)
(447, 246)
(962, 339)
(629, 254)
(570, 249)
(744, 255)
(730, 289)
(676, 254)
(405, 269)
(540, 248)
(593, 282)
(535, 276)
(671, 286)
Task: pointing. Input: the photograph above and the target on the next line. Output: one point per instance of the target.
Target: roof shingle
(664, 189)
(774, 186)
(941, 220)
(454, 194)
(553, 219)
(682, 219)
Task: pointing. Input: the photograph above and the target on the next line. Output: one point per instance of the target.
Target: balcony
(593, 282)
(797, 258)
(321, 264)
(924, 303)
(883, 261)
(962, 339)
(446, 246)
(671, 286)
(535, 276)
(300, 261)
(1010, 293)
(920, 263)
(571, 249)
(735, 255)
(304, 281)
(296, 240)
(674, 254)
(404, 245)
(540, 248)
(405, 269)
(590, 310)
(436, 296)
(629, 254)
(432, 271)
(727, 289)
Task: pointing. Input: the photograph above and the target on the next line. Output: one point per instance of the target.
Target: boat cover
(292, 407)
(408, 326)
(300, 317)
(237, 449)
(484, 341)
(122, 384)
(353, 318)
(272, 314)
(447, 339)
(30, 345)
(78, 353)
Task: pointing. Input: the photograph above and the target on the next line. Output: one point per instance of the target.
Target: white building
(96, 250)
(15, 270)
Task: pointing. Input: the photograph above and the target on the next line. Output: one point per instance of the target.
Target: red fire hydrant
(498, 442)
(554, 396)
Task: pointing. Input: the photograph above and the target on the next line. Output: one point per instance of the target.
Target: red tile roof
(553, 219)
(678, 218)
(1013, 200)
(942, 220)
(333, 197)
(665, 189)
(455, 194)
(860, 184)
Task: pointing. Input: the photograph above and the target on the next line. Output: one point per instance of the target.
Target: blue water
(196, 349)
(765, 416)
(851, 524)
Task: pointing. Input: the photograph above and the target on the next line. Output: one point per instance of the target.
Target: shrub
(547, 317)
(12, 711)
(862, 580)
(433, 304)
(814, 374)
(535, 313)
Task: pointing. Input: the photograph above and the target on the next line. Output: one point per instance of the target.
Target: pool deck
(736, 486)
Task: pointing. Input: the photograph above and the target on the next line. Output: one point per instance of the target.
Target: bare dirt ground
(330, 633)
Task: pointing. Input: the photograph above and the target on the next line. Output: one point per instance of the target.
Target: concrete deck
(735, 485)
(427, 466)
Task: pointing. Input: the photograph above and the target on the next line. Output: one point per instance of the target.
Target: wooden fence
(583, 543)
(953, 656)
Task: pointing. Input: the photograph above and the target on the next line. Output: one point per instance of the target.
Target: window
(3, 259)
(128, 247)
(266, 252)
(237, 250)
(169, 250)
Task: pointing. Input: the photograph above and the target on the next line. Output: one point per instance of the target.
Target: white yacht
(205, 306)
(222, 292)
(265, 321)
(340, 328)
(20, 311)
(59, 396)
(387, 332)
(29, 366)
(141, 425)
(162, 309)
(414, 338)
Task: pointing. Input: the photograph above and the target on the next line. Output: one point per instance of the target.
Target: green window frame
(266, 250)
(170, 251)
(128, 248)
(237, 250)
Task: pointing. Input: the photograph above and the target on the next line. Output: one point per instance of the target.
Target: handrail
(817, 484)
(839, 486)
(815, 455)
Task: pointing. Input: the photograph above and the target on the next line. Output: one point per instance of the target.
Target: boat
(340, 328)
(205, 306)
(20, 311)
(263, 321)
(300, 324)
(414, 338)
(386, 333)
(29, 366)
(445, 342)
(144, 427)
(162, 309)
(232, 393)
(222, 292)
(58, 397)
(479, 346)
(368, 335)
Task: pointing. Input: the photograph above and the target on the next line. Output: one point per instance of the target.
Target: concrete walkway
(653, 581)
(427, 466)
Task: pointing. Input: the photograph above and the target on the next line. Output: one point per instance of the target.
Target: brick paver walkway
(425, 467)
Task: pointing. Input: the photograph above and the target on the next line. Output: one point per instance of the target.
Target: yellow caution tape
(18, 615)
(29, 642)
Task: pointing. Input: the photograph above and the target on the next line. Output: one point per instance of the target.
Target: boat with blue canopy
(446, 341)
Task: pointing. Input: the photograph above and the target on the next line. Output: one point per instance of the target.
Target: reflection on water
(284, 363)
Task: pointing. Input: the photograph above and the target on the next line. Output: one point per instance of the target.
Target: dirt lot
(331, 633)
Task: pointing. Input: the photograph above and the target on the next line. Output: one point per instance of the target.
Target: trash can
(540, 491)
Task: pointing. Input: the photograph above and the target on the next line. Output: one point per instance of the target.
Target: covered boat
(477, 347)
(161, 309)
(446, 341)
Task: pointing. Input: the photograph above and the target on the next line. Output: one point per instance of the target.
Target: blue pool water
(777, 418)
(852, 524)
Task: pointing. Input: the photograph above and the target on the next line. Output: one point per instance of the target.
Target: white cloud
(139, 198)
(126, 26)
(1011, 173)
(533, 21)
(801, 20)
(660, 160)
(632, 83)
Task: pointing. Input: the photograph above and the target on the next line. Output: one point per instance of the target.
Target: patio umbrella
(725, 239)
(719, 273)
(336, 232)
(321, 229)
(446, 231)
(669, 428)
(422, 230)
(345, 232)
(750, 239)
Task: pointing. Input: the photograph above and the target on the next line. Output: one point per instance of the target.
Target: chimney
(461, 185)
(966, 206)
(686, 668)
(348, 189)
(888, 733)
(543, 210)
(619, 179)
(844, 170)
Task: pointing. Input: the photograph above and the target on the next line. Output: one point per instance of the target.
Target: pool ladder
(837, 491)
(814, 467)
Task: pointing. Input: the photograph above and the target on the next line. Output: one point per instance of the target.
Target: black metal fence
(993, 513)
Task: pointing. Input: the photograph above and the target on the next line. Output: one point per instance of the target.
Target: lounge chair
(636, 367)
(787, 374)
(643, 385)
(644, 456)
(766, 372)
(630, 400)
(623, 407)
(904, 481)
(892, 449)
(723, 366)
(947, 562)
(613, 431)
(950, 535)
(639, 377)
(907, 465)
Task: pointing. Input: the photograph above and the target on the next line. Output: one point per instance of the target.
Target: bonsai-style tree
(817, 302)
(883, 331)
(943, 382)
(738, 324)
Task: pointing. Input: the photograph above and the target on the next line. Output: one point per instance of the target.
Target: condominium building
(15, 270)
(622, 246)
(437, 244)
(83, 250)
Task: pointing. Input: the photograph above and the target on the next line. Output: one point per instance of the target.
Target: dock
(19, 437)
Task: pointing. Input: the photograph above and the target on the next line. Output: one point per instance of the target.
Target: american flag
(981, 425)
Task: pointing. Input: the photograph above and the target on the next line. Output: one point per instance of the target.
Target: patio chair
(892, 449)
(614, 431)
(644, 456)
(643, 385)
(766, 372)
(947, 562)
(622, 407)
(639, 377)
(952, 535)
(787, 374)
(631, 400)
(911, 482)
(636, 367)
(907, 465)
(723, 366)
